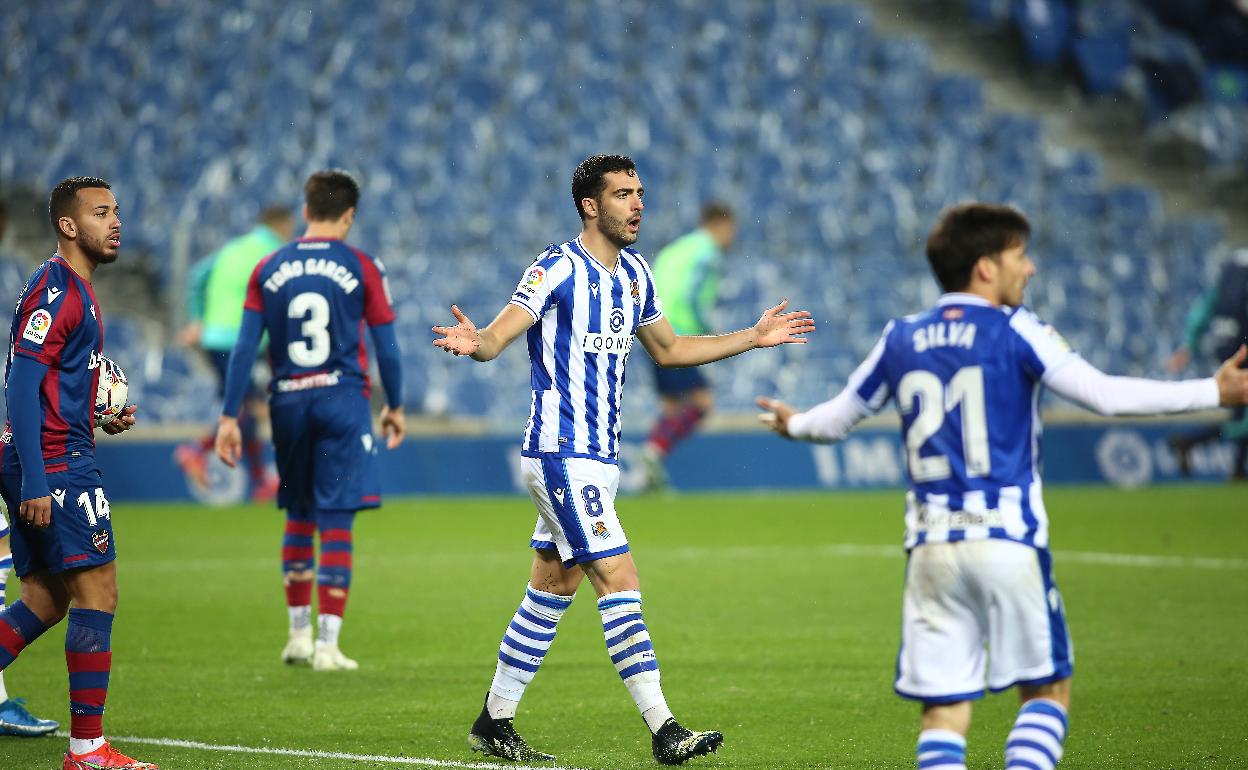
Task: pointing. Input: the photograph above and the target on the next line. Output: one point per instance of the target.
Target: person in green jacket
(218, 287)
(686, 274)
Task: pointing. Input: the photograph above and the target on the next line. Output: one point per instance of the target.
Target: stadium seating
(464, 121)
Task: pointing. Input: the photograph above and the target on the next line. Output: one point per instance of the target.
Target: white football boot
(329, 658)
(298, 650)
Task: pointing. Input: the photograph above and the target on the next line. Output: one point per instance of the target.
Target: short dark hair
(715, 211)
(330, 193)
(589, 179)
(61, 202)
(275, 215)
(967, 232)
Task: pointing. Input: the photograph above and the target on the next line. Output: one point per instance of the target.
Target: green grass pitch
(769, 626)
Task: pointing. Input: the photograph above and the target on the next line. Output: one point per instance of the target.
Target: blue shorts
(81, 532)
(677, 382)
(325, 451)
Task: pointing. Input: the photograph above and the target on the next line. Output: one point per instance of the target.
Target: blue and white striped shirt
(586, 318)
(966, 377)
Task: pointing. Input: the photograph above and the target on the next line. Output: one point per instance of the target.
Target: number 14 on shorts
(99, 511)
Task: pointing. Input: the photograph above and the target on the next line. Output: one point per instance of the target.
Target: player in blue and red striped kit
(62, 534)
(314, 297)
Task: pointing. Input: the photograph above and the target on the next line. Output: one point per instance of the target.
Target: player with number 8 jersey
(313, 297)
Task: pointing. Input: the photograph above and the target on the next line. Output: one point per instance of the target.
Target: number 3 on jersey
(314, 348)
(935, 400)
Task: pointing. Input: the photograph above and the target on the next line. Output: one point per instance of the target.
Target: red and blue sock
(333, 578)
(298, 555)
(88, 654)
(674, 428)
(19, 627)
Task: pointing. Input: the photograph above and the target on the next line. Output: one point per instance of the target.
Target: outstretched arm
(775, 327)
(830, 421)
(465, 339)
(1087, 386)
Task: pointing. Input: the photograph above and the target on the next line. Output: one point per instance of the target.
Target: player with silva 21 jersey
(966, 376)
(314, 297)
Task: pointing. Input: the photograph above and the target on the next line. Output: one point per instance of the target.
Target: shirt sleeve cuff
(530, 310)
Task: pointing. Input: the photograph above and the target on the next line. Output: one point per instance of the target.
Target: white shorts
(976, 610)
(575, 499)
(4, 527)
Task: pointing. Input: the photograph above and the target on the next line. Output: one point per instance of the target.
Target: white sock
(329, 626)
(300, 617)
(84, 745)
(500, 707)
(628, 644)
(6, 562)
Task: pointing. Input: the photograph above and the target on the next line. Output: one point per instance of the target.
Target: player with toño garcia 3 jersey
(313, 297)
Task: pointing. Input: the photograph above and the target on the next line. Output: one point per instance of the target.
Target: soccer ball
(111, 393)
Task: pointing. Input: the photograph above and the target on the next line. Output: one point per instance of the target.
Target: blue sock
(19, 627)
(89, 656)
(1036, 741)
(941, 750)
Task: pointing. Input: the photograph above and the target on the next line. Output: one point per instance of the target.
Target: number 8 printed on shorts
(593, 500)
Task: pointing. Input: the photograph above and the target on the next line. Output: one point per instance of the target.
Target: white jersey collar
(962, 298)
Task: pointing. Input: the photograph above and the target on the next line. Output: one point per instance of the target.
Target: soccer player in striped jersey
(581, 303)
(62, 534)
(966, 376)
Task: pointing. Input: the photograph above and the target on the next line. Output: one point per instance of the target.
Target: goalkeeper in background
(218, 287)
(686, 272)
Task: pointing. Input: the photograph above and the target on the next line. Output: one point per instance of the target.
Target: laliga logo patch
(535, 277)
(617, 320)
(636, 293)
(100, 541)
(600, 530)
(38, 325)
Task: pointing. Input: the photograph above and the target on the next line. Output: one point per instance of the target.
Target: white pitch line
(897, 552)
(313, 754)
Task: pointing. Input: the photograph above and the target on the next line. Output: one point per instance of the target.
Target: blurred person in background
(218, 287)
(14, 718)
(1217, 325)
(686, 273)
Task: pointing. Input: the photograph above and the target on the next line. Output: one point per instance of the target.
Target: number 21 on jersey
(934, 401)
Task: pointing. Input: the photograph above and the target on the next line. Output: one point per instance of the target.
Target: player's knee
(298, 575)
(1058, 692)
